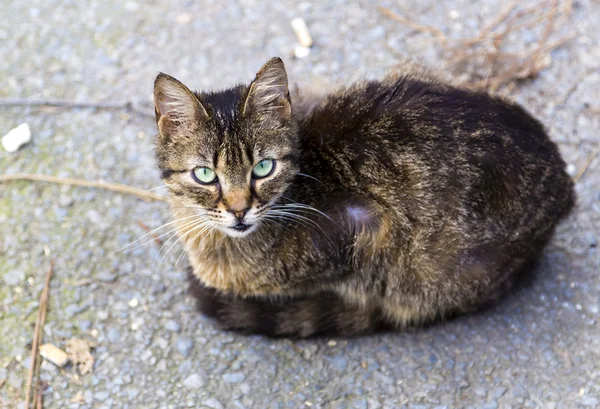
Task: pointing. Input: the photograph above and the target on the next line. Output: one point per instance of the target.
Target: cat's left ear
(175, 105)
(268, 95)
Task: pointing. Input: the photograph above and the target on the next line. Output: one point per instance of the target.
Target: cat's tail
(319, 315)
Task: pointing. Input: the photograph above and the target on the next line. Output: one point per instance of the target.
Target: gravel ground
(538, 349)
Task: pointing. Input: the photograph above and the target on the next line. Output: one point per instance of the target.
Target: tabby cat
(383, 204)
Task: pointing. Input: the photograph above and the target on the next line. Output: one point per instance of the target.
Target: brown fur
(391, 202)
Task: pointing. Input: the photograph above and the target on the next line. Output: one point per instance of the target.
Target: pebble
(184, 345)
(113, 335)
(194, 381)
(172, 326)
(490, 405)
(54, 354)
(101, 395)
(213, 403)
(17, 137)
(590, 238)
(301, 52)
(14, 380)
(234, 377)
(14, 277)
(73, 309)
(3, 374)
(106, 276)
(589, 401)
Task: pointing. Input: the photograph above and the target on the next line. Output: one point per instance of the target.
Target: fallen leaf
(79, 352)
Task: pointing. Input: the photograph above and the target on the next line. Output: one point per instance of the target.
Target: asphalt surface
(538, 349)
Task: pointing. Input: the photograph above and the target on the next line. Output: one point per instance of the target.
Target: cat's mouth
(241, 227)
(240, 230)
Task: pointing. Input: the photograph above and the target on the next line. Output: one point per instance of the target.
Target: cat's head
(227, 155)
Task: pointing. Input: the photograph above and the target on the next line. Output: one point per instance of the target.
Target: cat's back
(412, 136)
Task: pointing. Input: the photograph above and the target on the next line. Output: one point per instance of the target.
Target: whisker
(200, 224)
(310, 177)
(154, 231)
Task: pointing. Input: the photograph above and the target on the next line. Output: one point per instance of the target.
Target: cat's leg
(320, 314)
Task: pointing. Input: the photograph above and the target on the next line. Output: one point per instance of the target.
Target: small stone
(498, 392)
(73, 309)
(591, 239)
(132, 6)
(194, 381)
(184, 345)
(490, 405)
(17, 137)
(454, 14)
(571, 169)
(245, 388)
(301, 52)
(302, 34)
(102, 315)
(183, 18)
(589, 401)
(172, 326)
(14, 380)
(520, 392)
(3, 374)
(101, 395)
(213, 403)
(14, 277)
(134, 302)
(106, 276)
(234, 377)
(54, 354)
(113, 335)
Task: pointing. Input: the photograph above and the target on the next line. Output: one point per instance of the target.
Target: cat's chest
(228, 273)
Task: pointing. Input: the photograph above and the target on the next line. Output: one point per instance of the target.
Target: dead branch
(484, 56)
(115, 187)
(415, 26)
(61, 103)
(37, 333)
(147, 229)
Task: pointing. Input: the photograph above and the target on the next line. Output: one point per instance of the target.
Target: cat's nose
(239, 214)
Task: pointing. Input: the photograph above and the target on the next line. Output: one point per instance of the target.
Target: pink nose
(239, 214)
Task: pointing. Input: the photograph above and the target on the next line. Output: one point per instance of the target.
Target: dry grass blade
(37, 334)
(415, 26)
(487, 60)
(115, 187)
(590, 159)
(147, 229)
(61, 103)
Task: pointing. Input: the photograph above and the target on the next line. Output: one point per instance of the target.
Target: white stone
(301, 52)
(302, 34)
(16, 138)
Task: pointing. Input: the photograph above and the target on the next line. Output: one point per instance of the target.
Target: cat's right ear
(175, 105)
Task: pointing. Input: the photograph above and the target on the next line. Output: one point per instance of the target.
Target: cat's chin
(239, 233)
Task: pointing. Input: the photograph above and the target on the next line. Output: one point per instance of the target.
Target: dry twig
(61, 103)
(415, 26)
(590, 159)
(484, 57)
(37, 334)
(147, 229)
(115, 187)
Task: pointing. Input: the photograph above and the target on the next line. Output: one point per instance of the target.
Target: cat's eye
(204, 176)
(263, 168)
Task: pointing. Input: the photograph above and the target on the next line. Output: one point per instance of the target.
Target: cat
(381, 205)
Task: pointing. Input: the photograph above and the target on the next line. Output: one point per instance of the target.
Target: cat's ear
(268, 95)
(175, 105)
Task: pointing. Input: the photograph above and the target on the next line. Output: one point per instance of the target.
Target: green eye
(263, 168)
(204, 176)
